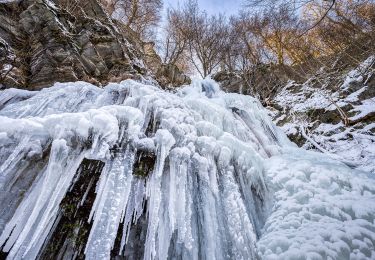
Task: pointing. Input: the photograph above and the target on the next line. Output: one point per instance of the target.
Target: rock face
(43, 42)
(167, 75)
(261, 81)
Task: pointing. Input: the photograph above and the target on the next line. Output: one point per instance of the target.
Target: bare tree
(275, 28)
(140, 15)
(272, 35)
(347, 22)
(175, 41)
(207, 37)
(208, 42)
(294, 5)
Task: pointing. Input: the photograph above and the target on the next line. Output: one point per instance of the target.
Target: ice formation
(225, 182)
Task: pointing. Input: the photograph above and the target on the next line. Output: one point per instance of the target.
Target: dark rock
(167, 75)
(170, 75)
(71, 229)
(230, 81)
(43, 42)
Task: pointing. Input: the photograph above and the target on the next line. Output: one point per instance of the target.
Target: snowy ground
(305, 105)
(227, 183)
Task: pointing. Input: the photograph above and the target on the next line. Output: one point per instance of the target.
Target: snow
(321, 216)
(303, 102)
(227, 183)
(290, 129)
(9, 1)
(12, 95)
(356, 75)
(367, 107)
(354, 96)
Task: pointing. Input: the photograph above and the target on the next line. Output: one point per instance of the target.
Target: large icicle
(24, 233)
(113, 192)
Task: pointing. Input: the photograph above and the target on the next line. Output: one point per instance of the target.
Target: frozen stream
(225, 183)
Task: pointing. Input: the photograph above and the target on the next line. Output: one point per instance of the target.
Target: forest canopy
(264, 32)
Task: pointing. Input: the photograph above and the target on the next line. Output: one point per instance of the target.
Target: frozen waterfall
(196, 174)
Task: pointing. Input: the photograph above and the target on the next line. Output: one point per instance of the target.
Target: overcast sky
(212, 6)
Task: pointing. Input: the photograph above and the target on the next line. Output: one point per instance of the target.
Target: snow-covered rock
(334, 119)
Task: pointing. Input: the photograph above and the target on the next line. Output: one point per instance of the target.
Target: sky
(228, 7)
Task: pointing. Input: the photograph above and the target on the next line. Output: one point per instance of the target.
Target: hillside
(333, 114)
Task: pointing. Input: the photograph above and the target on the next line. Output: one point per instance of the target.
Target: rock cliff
(43, 42)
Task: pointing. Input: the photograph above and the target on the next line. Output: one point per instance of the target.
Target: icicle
(9, 165)
(212, 246)
(134, 209)
(165, 141)
(28, 226)
(109, 205)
